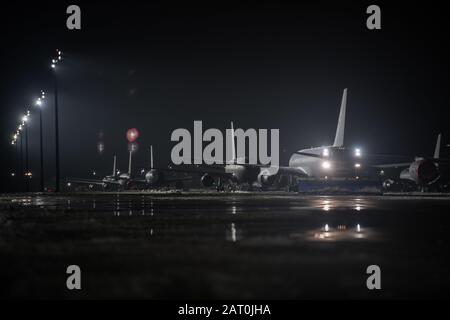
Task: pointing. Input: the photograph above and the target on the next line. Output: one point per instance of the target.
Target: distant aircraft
(235, 171)
(424, 172)
(159, 177)
(116, 179)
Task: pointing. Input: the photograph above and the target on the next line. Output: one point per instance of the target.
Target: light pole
(55, 61)
(41, 175)
(27, 167)
(16, 155)
(21, 156)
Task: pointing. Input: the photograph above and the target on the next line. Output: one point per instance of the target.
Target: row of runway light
(21, 132)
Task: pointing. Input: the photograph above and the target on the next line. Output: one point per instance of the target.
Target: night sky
(158, 67)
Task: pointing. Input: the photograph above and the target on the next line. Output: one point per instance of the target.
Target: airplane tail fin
(151, 157)
(129, 163)
(437, 149)
(114, 167)
(339, 138)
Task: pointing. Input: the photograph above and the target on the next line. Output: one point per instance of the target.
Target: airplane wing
(91, 181)
(294, 171)
(407, 164)
(214, 170)
(86, 181)
(392, 165)
(166, 180)
(175, 179)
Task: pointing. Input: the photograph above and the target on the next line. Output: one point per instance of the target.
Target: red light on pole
(132, 134)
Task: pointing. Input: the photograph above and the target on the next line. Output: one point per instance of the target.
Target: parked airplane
(321, 162)
(159, 177)
(423, 172)
(116, 179)
(235, 172)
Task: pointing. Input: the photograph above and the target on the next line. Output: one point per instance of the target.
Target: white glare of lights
(59, 58)
(357, 152)
(326, 152)
(326, 165)
(327, 228)
(357, 165)
(358, 228)
(53, 65)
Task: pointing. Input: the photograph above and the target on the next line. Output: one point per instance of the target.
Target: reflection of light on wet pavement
(341, 233)
(326, 205)
(232, 235)
(331, 204)
(39, 201)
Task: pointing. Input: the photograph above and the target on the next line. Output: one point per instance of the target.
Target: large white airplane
(321, 162)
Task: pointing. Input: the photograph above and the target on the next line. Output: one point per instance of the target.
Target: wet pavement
(223, 246)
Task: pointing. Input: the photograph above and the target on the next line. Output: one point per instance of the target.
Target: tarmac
(208, 245)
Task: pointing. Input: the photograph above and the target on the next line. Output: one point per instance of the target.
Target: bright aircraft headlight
(326, 165)
(326, 153)
(357, 152)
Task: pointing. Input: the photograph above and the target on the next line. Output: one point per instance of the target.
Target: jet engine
(424, 171)
(152, 177)
(388, 184)
(266, 180)
(207, 180)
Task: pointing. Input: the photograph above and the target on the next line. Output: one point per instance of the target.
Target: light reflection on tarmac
(232, 246)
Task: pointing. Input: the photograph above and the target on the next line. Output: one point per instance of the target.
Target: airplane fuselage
(327, 162)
